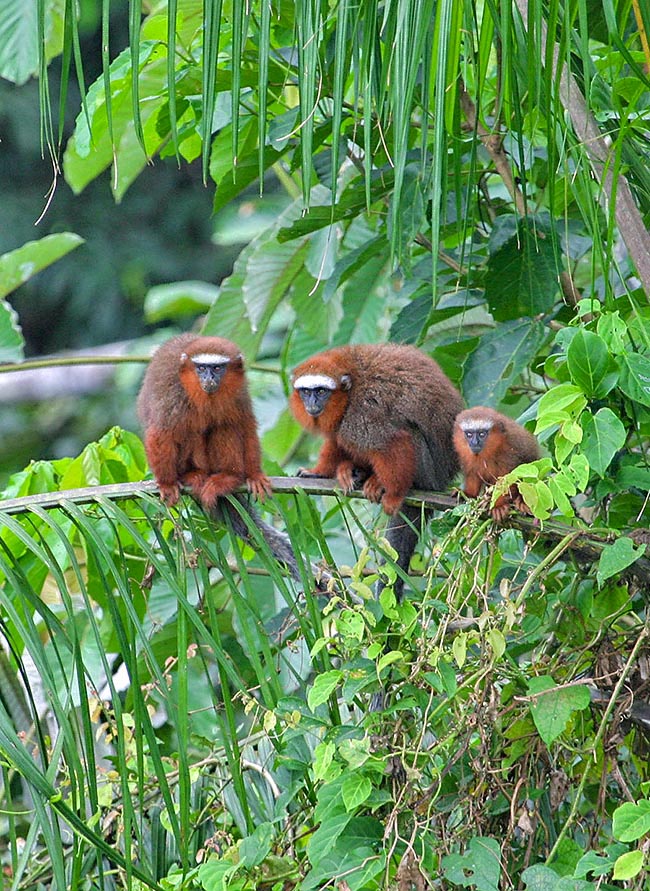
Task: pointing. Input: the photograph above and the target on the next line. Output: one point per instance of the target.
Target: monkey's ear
(346, 382)
(237, 361)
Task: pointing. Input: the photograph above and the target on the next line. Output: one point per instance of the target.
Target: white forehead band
(313, 381)
(474, 425)
(210, 359)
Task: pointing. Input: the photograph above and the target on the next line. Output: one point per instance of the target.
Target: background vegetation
(471, 178)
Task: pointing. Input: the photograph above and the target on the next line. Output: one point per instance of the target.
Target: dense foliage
(174, 713)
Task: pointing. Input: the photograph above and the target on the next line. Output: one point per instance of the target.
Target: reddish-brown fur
(507, 445)
(394, 422)
(205, 441)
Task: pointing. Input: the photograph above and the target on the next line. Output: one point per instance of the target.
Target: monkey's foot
(345, 475)
(307, 474)
(373, 489)
(392, 503)
(169, 493)
(259, 486)
(194, 480)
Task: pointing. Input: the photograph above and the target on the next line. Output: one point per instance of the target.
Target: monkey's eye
(320, 391)
(482, 434)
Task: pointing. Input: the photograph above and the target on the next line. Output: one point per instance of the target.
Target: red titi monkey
(200, 431)
(489, 445)
(387, 411)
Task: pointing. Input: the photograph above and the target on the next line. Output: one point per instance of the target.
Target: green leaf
(604, 435)
(631, 820)
(12, 342)
(255, 848)
(552, 707)
(496, 641)
(17, 267)
(324, 684)
(616, 557)
(522, 275)
(19, 37)
(558, 404)
(627, 866)
(459, 648)
(355, 790)
(479, 867)
(635, 377)
(543, 878)
(500, 357)
(178, 299)
(323, 757)
(90, 150)
(590, 364)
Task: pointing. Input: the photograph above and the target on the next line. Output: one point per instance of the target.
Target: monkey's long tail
(402, 534)
(277, 542)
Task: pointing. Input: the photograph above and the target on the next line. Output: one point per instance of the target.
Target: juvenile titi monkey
(200, 431)
(489, 445)
(386, 412)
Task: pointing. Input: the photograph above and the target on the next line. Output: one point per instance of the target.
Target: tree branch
(585, 545)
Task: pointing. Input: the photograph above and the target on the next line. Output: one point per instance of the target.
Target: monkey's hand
(519, 502)
(501, 509)
(373, 490)
(259, 486)
(169, 492)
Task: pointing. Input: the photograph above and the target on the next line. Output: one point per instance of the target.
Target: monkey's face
(210, 369)
(476, 438)
(315, 391)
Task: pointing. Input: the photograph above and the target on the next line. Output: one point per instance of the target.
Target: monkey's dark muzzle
(210, 376)
(314, 400)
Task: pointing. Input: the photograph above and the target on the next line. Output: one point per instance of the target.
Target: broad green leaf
(604, 435)
(543, 878)
(323, 757)
(613, 331)
(12, 342)
(627, 866)
(214, 874)
(552, 707)
(635, 377)
(479, 867)
(496, 641)
(17, 267)
(538, 497)
(326, 836)
(592, 863)
(500, 357)
(522, 276)
(560, 402)
(631, 820)
(590, 364)
(254, 848)
(616, 557)
(351, 624)
(90, 151)
(178, 299)
(19, 36)
(459, 648)
(355, 790)
(323, 686)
